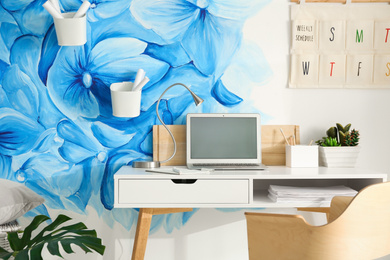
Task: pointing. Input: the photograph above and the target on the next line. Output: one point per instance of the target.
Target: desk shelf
(135, 188)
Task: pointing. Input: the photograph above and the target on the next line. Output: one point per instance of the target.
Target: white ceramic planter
(342, 156)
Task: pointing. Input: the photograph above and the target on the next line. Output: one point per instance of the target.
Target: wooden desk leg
(142, 233)
(144, 220)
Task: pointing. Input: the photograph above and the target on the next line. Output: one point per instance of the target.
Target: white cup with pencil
(71, 27)
(300, 155)
(126, 96)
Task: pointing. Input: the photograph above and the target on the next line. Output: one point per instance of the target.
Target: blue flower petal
(26, 53)
(110, 137)
(236, 10)
(123, 25)
(9, 33)
(18, 133)
(21, 92)
(211, 43)
(107, 9)
(224, 96)
(188, 75)
(168, 18)
(47, 175)
(72, 133)
(126, 217)
(4, 102)
(50, 48)
(5, 167)
(118, 59)
(35, 19)
(46, 141)
(74, 153)
(15, 5)
(90, 169)
(173, 54)
(110, 50)
(5, 16)
(147, 145)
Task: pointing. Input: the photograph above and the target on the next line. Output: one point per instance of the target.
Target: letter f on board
(305, 67)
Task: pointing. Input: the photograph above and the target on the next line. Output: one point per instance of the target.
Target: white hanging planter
(338, 156)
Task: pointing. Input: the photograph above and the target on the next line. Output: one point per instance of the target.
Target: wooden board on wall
(272, 143)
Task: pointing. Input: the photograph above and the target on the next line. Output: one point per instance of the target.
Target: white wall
(215, 235)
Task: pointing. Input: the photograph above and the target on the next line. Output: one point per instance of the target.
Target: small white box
(302, 155)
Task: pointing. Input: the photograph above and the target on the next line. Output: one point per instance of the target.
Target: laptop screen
(223, 138)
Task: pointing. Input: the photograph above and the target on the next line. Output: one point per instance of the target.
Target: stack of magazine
(307, 194)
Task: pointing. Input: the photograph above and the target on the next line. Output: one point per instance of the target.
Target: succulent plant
(330, 141)
(332, 132)
(343, 132)
(352, 139)
(340, 136)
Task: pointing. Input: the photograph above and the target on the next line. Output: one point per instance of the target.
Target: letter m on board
(359, 37)
(305, 67)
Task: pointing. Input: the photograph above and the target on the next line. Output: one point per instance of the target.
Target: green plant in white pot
(27, 247)
(340, 147)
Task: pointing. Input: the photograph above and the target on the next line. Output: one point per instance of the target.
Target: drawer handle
(184, 181)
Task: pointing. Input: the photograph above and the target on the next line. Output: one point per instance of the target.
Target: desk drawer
(182, 191)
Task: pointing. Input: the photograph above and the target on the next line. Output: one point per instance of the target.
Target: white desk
(157, 193)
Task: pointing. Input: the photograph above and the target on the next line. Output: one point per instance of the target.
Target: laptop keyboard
(226, 165)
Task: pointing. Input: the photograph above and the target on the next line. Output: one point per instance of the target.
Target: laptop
(224, 141)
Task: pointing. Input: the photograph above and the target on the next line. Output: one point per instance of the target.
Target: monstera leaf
(28, 247)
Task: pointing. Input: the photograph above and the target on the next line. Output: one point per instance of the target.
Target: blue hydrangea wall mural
(57, 132)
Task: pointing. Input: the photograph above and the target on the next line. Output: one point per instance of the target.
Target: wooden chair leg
(143, 225)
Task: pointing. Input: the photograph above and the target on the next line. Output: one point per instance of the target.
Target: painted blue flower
(79, 80)
(23, 77)
(18, 133)
(9, 31)
(209, 31)
(63, 185)
(31, 17)
(21, 92)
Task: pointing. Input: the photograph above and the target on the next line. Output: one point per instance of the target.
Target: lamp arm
(159, 118)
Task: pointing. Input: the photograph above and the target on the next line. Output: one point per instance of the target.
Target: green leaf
(15, 242)
(26, 238)
(36, 252)
(77, 226)
(54, 248)
(93, 243)
(53, 236)
(58, 221)
(4, 254)
(66, 246)
(22, 255)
